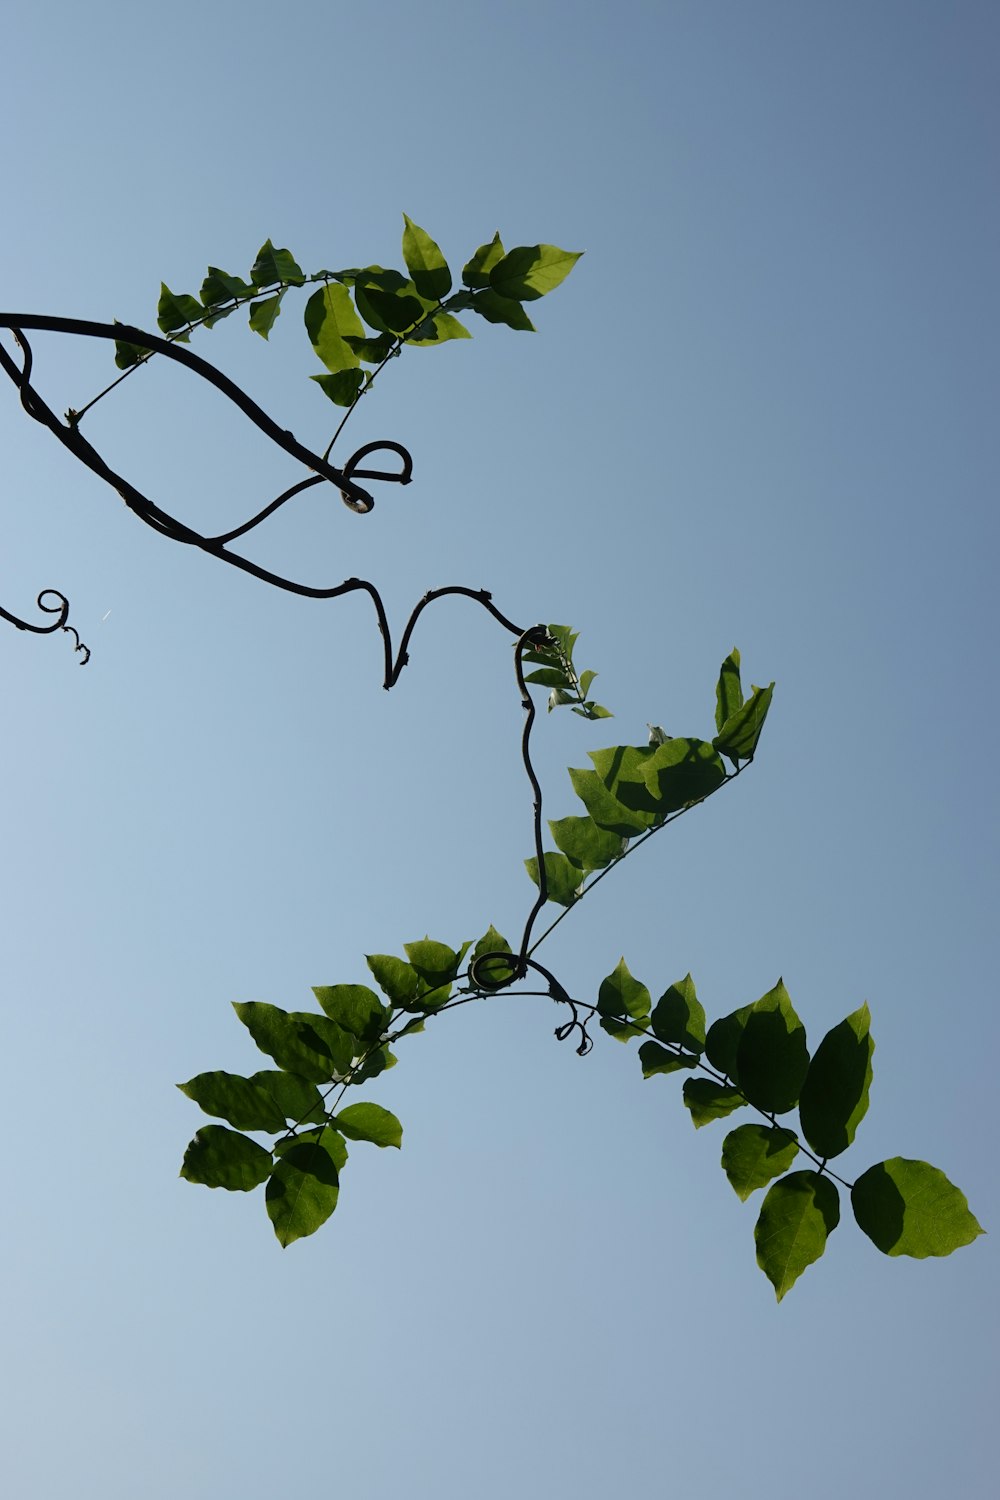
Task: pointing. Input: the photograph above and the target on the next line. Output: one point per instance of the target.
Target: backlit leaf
(772, 1058)
(425, 263)
(752, 1155)
(263, 314)
(394, 977)
(330, 318)
(492, 974)
(496, 309)
(605, 809)
(274, 265)
(438, 329)
(218, 1157)
(657, 1059)
(739, 734)
(622, 998)
(302, 1190)
(239, 1100)
(563, 879)
(298, 1100)
(729, 691)
(708, 1100)
(798, 1214)
(176, 310)
(342, 387)
(585, 844)
(530, 271)
(356, 1008)
(476, 271)
(723, 1041)
(680, 771)
(370, 1122)
(679, 1016)
(910, 1208)
(834, 1097)
(310, 1045)
(219, 287)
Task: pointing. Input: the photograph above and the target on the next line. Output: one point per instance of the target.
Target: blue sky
(761, 411)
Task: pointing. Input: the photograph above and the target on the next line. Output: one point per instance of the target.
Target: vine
(754, 1058)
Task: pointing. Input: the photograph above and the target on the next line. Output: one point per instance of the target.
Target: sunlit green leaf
(729, 691)
(622, 770)
(680, 771)
(752, 1155)
(376, 1062)
(370, 1122)
(739, 734)
(773, 1058)
(356, 1008)
(605, 809)
(263, 314)
(387, 301)
(274, 265)
(549, 677)
(532, 270)
(723, 1041)
(342, 387)
(176, 310)
(496, 309)
(476, 271)
(438, 329)
(298, 1100)
(798, 1214)
(238, 1100)
(585, 844)
(395, 978)
(708, 1100)
(218, 1157)
(834, 1097)
(622, 999)
(310, 1045)
(492, 974)
(657, 1059)
(563, 879)
(425, 263)
(371, 351)
(330, 318)
(335, 1144)
(302, 1190)
(910, 1208)
(679, 1016)
(219, 287)
(436, 966)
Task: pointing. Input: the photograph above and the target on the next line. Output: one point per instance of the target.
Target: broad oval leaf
(370, 1122)
(436, 966)
(722, 1043)
(498, 973)
(176, 309)
(425, 263)
(330, 319)
(605, 809)
(620, 999)
(707, 1100)
(679, 772)
(530, 271)
(797, 1216)
(657, 1059)
(679, 1016)
(299, 1100)
(302, 1190)
(343, 387)
(356, 1009)
(389, 310)
(772, 1058)
(440, 328)
(585, 844)
(563, 878)
(752, 1155)
(496, 309)
(834, 1097)
(395, 977)
(622, 770)
(476, 271)
(910, 1208)
(263, 314)
(310, 1045)
(219, 287)
(274, 265)
(221, 1158)
(239, 1100)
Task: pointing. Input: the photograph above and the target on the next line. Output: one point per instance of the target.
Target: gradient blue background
(762, 411)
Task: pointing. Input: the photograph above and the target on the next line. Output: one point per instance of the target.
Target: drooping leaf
(176, 310)
(708, 1100)
(388, 302)
(797, 1216)
(680, 771)
(263, 314)
(622, 996)
(223, 1158)
(496, 309)
(302, 1190)
(563, 878)
(530, 271)
(341, 388)
(498, 973)
(910, 1208)
(330, 319)
(834, 1097)
(219, 287)
(729, 691)
(425, 263)
(436, 966)
(395, 978)
(585, 844)
(356, 1009)
(274, 265)
(657, 1059)
(739, 734)
(240, 1101)
(772, 1059)
(723, 1041)
(752, 1155)
(439, 328)
(476, 271)
(298, 1100)
(679, 1016)
(371, 351)
(310, 1045)
(370, 1122)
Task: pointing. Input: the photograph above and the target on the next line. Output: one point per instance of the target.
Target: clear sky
(761, 411)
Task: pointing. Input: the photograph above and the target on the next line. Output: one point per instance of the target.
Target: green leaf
(739, 734)
(622, 996)
(218, 1157)
(298, 1100)
(476, 271)
(679, 772)
(563, 879)
(657, 1059)
(263, 314)
(622, 770)
(605, 809)
(798, 1214)
(680, 1017)
(772, 1059)
(723, 1041)
(127, 355)
(236, 1099)
(219, 287)
(274, 265)
(330, 318)
(335, 1145)
(387, 301)
(834, 1097)
(395, 978)
(496, 974)
(708, 1101)
(438, 329)
(752, 1155)
(356, 1009)
(371, 351)
(729, 692)
(910, 1208)
(549, 677)
(342, 387)
(302, 1043)
(585, 844)
(302, 1190)
(586, 678)
(425, 263)
(496, 309)
(436, 967)
(532, 270)
(593, 711)
(370, 1122)
(176, 310)
(375, 1063)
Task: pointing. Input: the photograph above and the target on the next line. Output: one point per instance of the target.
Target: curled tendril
(61, 611)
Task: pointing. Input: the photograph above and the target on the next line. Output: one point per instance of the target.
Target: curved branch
(60, 610)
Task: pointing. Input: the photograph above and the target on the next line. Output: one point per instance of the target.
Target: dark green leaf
(274, 265)
(622, 769)
(127, 355)
(585, 844)
(723, 1041)
(729, 692)
(532, 270)
(334, 1145)
(263, 314)
(680, 1017)
(772, 1060)
(436, 967)
(438, 329)
(342, 387)
(710, 1101)
(298, 1100)
(371, 351)
(910, 1208)
(388, 307)
(236, 1099)
(740, 733)
(425, 263)
(302, 1190)
(176, 310)
(496, 309)
(219, 1157)
(549, 677)
(621, 999)
(492, 975)
(219, 287)
(754, 1154)
(563, 879)
(657, 1059)
(330, 318)
(798, 1214)
(375, 1063)
(680, 771)
(834, 1097)
(395, 978)
(370, 1122)
(309, 1045)
(356, 1009)
(476, 271)
(605, 809)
